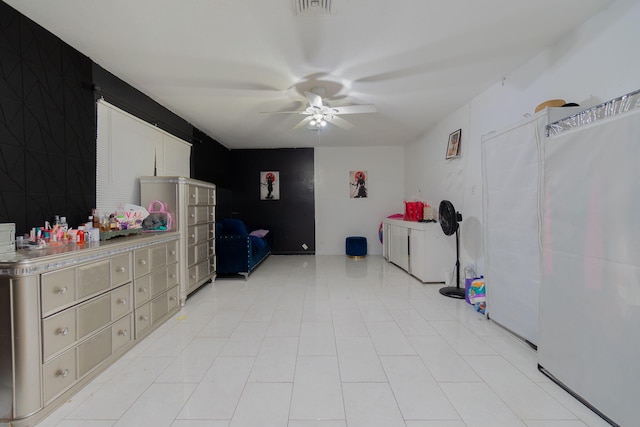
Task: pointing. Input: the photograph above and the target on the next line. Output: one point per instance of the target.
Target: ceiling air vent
(313, 7)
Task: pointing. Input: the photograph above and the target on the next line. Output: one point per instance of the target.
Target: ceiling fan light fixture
(313, 7)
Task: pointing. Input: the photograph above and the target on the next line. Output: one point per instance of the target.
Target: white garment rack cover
(590, 293)
(511, 178)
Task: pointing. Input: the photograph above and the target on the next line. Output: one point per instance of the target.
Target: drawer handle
(62, 374)
(193, 196)
(193, 276)
(193, 215)
(173, 252)
(172, 298)
(173, 276)
(121, 269)
(63, 331)
(123, 332)
(144, 317)
(122, 301)
(62, 290)
(143, 290)
(142, 262)
(193, 236)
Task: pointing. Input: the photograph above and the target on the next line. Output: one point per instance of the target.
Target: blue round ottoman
(356, 246)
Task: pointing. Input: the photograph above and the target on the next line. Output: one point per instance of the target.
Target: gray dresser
(69, 311)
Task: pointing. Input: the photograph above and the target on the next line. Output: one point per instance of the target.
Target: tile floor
(324, 341)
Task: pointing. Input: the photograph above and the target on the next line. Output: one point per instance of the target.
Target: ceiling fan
(319, 112)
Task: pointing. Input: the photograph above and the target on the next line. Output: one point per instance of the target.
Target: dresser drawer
(143, 319)
(58, 289)
(121, 303)
(159, 308)
(172, 252)
(121, 332)
(141, 262)
(198, 195)
(158, 256)
(172, 298)
(93, 278)
(142, 293)
(192, 276)
(172, 275)
(59, 374)
(192, 215)
(203, 270)
(192, 236)
(197, 253)
(58, 332)
(202, 232)
(158, 282)
(120, 270)
(93, 351)
(202, 214)
(94, 315)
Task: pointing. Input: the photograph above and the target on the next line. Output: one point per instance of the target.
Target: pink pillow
(259, 233)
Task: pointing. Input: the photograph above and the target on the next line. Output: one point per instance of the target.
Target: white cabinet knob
(62, 290)
(142, 262)
(62, 373)
(143, 290)
(63, 331)
(123, 332)
(121, 269)
(122, 301)
(144, 317)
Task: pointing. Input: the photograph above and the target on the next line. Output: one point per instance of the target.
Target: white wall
(597, 62)
(339, 216)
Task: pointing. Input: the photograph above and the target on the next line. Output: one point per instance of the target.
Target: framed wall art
(270, 185)
(453, 147)
(358, 184)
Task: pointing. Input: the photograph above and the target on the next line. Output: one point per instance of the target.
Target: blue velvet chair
(237, 251)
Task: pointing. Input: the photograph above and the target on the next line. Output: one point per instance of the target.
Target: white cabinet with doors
(419, 248)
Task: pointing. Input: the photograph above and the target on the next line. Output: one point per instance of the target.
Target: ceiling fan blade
(282, 112)
(314, 100)
(303, 122)
(355, 109)
(341, 123)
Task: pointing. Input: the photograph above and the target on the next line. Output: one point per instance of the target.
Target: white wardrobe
(590, 294)
(512, 173)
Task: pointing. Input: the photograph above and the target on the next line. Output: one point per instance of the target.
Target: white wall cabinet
(192, 204)
(420, 248)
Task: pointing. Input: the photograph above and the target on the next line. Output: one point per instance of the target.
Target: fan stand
(455, 291)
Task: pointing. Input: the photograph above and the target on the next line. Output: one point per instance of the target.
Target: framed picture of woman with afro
(270, 185)
(358, 184)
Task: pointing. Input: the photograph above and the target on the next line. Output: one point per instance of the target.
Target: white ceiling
(220, 63)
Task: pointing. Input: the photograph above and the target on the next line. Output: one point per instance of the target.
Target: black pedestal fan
(449, 219)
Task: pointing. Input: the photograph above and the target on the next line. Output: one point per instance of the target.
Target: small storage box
(7, 238)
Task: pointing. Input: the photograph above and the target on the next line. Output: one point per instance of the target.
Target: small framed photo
(453, 147)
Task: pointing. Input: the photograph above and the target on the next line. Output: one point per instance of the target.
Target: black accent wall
(292, 218)
(48, 143)
(47, 126)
